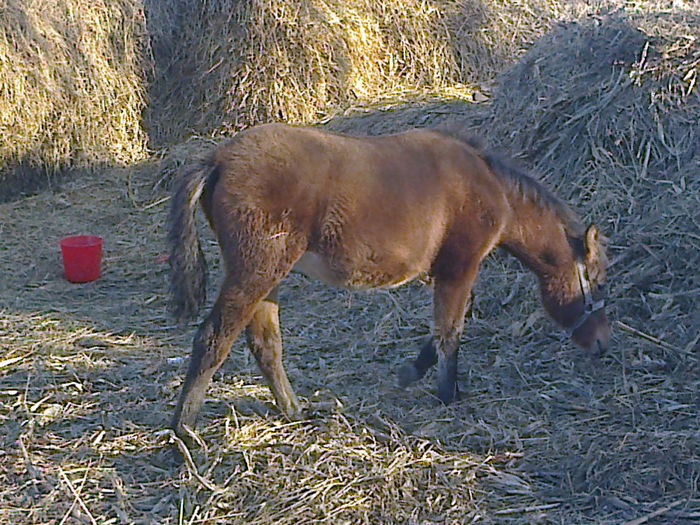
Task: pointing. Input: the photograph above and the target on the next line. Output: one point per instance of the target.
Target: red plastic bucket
(82, 255)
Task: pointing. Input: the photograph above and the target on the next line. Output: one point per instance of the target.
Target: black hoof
(176, 456)
(407, 375)
(449, 395)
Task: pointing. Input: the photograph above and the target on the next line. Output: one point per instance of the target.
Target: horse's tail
(188, 273)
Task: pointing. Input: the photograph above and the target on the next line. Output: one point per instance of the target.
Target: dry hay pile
(226, 64)
(72, 87)
(607, 109)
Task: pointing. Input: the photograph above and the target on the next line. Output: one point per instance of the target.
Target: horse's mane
(518, 179)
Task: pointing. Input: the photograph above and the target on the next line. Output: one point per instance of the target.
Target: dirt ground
(89, 375)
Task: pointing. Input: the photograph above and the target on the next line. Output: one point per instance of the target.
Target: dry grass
(72, 87)
(231, 64)
(89, 373)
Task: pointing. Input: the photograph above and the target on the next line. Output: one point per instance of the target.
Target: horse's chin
(598, 349)
(594, 349)
(594, 341)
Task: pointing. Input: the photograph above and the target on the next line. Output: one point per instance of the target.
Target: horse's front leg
(450, 302)
(414, 370)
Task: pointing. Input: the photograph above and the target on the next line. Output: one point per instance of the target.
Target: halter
(589, 305)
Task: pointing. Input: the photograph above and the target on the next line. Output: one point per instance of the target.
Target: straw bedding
(89, 373)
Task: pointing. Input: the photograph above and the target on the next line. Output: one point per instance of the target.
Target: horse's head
(583, 311)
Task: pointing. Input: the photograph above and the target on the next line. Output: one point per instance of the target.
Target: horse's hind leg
(247, 283)
(211, 345)
(265, 342)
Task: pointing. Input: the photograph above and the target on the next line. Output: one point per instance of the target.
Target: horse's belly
(313, 265)
(356, 276)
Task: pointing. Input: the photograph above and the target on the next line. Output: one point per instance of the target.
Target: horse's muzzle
(599, 348)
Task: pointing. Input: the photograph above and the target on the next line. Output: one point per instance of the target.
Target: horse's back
(375, 209)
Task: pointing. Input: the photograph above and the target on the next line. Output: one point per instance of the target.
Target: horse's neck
(537, 237)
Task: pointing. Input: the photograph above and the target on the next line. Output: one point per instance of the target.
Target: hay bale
(72, 87)
(237, 63)
(606, 109)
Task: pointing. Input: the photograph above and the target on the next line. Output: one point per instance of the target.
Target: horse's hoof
(188, 437)
(407, 374)
(294, 415)
(293, 411)
(449, 395)
(175, 455)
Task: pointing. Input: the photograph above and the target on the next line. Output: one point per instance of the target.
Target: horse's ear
(592, 245)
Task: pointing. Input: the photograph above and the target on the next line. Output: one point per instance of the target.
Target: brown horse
(364, 213)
